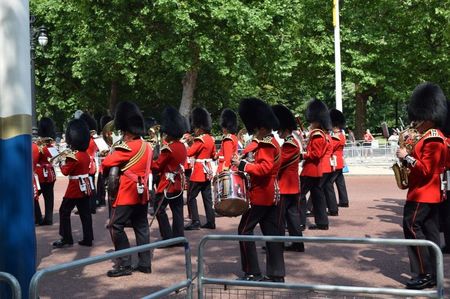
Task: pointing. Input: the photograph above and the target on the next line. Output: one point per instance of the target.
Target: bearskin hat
(90, 121)
(104, 120)
(285, 118)
(46, 128)
(428, 103)
(77, 135)
(129, 118)
(228, 120)
(337, 118)
(201, 119)
(257, 114)
(173, 123)
(317, 111)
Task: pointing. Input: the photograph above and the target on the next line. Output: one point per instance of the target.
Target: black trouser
(445, 219)
(187, 175)
(65, 227)
(271, 224)
(49, 199)
(138, 216)
(421, 222)
(327, 186)
(101, 192)
(312, 184)
(175, 202)
(205, 188)
(93, 197)
(342, 189)
(290, 203)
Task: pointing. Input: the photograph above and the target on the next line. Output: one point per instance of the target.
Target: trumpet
(407, 139)
(61, 157)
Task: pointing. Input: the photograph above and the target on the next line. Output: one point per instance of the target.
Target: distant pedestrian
(367, 144)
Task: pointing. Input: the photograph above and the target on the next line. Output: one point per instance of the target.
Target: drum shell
(230, 193)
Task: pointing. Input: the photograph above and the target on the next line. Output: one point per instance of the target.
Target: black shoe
(273, 279)
(445, 249)
(85, 243)
(120, 271)
(93, 211)
(421, 282)
(143, 269)
(295, 247)
(309, 214)
(302, 227)
(62, 244)
(195, 225)
(333, 213)
(318, 227)
(343, 205)
(251, 277)
(46, 222)
(209, 225)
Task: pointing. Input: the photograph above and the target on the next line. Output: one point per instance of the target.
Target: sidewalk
(370, 166)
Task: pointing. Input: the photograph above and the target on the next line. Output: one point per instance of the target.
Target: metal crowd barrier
(39, 275)
(13, 284)
(437, 293)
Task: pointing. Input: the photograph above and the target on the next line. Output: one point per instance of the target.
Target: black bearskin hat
(257, 114)
(228, 120)
(201, 119)
(129, 118)
(337, 118)
(104, 120)
(285, 118)
(77, 135)
(46, 128)
(173, 123)
(428, 103)
(90, 121)
(317, 111)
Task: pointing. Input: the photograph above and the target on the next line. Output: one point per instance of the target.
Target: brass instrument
(61, 157)
(407, 139)
(107, 132)
(154, 138)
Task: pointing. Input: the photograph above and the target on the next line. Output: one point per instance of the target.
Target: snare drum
(230, 193)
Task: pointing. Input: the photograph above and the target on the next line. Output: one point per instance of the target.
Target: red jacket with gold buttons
(430, 154)
(338, 141)
(173, 156)
(202, 150)
(44, 169)
(92, 150)
(35, 156)
(288, 175)
(76, 164)
(227, 150)
(326, 160)
(141, 153)
(263, 171)
(315, 150)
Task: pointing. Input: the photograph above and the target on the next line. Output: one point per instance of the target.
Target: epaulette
(433, 133)
(200, 138)
(317, 132)
(228, 137)
(72, 155)
(335, 136)
(122, 145)
(267, 140)
(166, 147)
(290, 140)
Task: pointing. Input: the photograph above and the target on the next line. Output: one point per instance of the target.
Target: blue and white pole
(17, 232)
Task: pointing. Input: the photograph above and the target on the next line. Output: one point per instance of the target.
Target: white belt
(221, 157)
(203, 160)
(76, 177)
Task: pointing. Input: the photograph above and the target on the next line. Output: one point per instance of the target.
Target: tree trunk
(360, 114)
(189, 83)
(113, 98)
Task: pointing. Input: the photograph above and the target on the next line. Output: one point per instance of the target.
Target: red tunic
(430, 154)
(288, 175)
(263, 171)
(35, 159)
(202, 150)
(171, 160)
(251, 146)
(123, 152)
(92, 150)
(77, 164)
(338, 141)
(227, 150)
(44, 169)
(315, 150)
(325, 162)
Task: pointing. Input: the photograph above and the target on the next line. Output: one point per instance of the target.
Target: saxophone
(407, 139)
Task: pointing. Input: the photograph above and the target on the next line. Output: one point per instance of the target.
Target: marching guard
(425, 159)
(170, 168)
(262, 166)
(229, 145)
(133, 157)
(202, 150)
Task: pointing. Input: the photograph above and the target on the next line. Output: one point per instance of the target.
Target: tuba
(407, 139)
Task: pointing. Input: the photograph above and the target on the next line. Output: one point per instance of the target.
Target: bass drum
(230, 193)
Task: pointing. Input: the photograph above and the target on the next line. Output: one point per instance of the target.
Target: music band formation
(264, 179)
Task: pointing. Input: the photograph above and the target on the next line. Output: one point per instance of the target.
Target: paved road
(375, 211)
